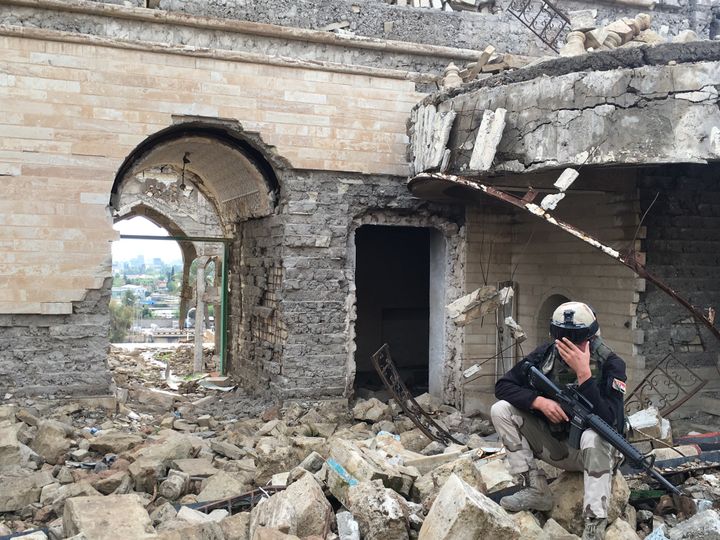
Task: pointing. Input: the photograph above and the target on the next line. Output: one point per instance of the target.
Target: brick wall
(70, 113)
(683, 229)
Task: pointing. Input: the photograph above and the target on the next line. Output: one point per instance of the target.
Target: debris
(114, 516)
(379, 511)
(221, 486)
(488, 137)
(460, 511)
(348, 528)
(568, 498)
(478, 303)
(516, 331)
(649, 423)
(51, 441)
(372, 410)
(481, 61)
(551, 201)
(704, 525)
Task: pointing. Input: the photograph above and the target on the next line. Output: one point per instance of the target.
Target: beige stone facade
(71, 112)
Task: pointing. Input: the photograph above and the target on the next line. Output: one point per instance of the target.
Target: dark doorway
(392, 276)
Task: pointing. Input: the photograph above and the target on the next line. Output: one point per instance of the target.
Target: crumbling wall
(256, 325)
(635, 106)
(142, 26)
(320, 212)
(681, 245)
(57, 355)
(458, 29)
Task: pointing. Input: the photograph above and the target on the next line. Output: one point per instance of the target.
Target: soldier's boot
(535, 496)
(594, 528)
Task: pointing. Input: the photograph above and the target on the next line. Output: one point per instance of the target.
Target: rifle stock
(579, 410)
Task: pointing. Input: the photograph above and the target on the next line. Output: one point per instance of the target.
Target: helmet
(575, 321)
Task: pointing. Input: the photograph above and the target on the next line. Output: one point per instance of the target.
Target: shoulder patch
(618, 385)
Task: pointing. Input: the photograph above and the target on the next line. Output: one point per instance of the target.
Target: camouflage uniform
(527, 435)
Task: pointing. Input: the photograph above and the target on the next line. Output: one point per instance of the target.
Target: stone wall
(681, 245)
(57, 355)
(320, 212)
(457, 29)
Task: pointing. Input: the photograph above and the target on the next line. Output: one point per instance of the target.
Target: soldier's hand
(551, 409)
(577, 357)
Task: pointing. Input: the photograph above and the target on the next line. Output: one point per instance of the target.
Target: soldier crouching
(533, 427)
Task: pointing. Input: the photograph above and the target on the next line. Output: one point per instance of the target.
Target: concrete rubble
(328, 470)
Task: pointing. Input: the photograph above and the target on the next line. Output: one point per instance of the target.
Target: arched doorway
(210, 186)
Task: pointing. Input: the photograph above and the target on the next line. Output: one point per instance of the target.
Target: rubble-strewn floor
(155, 466)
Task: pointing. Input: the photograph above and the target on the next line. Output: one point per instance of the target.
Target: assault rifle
(579, 410)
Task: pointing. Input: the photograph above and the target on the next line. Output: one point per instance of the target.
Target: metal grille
(390, 377)
(667, 386)
(543, 19)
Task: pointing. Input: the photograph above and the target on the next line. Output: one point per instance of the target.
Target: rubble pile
(224, 466)
(586, 35)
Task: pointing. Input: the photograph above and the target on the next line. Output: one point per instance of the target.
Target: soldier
(531, 426)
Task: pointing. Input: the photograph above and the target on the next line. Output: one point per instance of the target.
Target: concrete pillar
(200, 313)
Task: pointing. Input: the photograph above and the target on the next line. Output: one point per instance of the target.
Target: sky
(123, 250)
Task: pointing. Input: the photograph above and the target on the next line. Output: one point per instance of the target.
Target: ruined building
(300, 142)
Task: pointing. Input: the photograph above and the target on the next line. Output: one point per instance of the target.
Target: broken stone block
(430, 484)
(192, 516)
(227, 449)
(221, 486)
(8, 412)
(461, 512)
(69, 491)
(649, 423)
(478, 303)
(582, 19)
(528, 525)
(337, 479)
(364, 464)
(703, 525)
(495, 474)
(111, 517)
(145, 473)
(51, 441)
(348, 528)
(182, 530)
(568, 492)
(27, 417)
(313, 463)
(371, 410)
(414, 440)
(379, 511)
(488, 137)
(115, 443)
(17, 492)
(263, 533)
(301, 509)
(552, 530)
(236, 527)
(621, 530)
(197, 467)
(163, 513)
(159, 398)
(9, 446)
(109, 484)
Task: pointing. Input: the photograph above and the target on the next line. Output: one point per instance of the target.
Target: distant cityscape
(145, 298)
